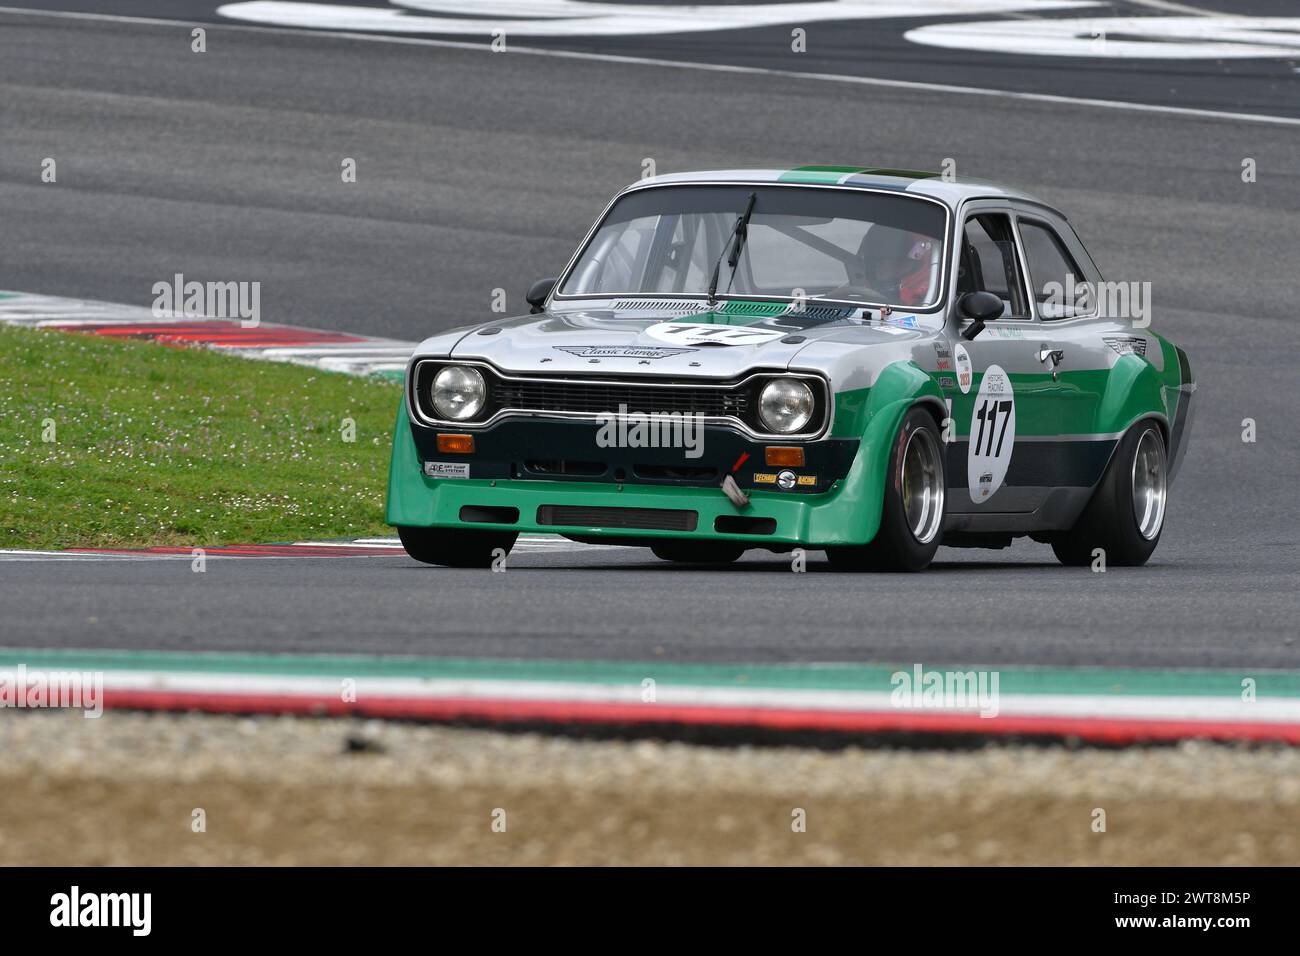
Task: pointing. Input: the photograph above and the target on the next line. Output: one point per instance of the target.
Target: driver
(897, 264)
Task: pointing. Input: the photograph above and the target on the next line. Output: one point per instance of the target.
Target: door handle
(1051, 358)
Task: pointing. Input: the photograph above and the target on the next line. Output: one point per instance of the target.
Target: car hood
(724, 342)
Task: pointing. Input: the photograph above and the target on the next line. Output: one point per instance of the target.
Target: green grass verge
(120, 443)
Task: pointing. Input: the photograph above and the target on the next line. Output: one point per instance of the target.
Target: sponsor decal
(1124, 344)
(446, 469)
(961, 358)
(943, 365)
(992, 435)
(806, 481)
(764, 478)
(620, 351)
(703, 333)
(785, 480)
(906, 321)
(947, 381)
(941, 350)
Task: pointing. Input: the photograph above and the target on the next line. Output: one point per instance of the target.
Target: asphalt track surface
(480, 170)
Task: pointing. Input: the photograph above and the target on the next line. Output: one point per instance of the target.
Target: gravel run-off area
(124, 790)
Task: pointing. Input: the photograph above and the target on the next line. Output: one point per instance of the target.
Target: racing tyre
(455, 547)
(698, 552)
(1127, 511)
(911, 521)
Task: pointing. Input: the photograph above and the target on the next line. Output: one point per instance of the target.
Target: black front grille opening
(556, 395)
(612, 398)
(565, 466)
(647, 519)
(486, 514)
(676, 472)
(740, 524)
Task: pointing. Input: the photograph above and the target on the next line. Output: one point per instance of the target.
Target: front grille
(646, 519)
(597, 397)
(543, 395)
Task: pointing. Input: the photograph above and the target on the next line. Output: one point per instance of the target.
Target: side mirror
(538, 291)
(979, 307)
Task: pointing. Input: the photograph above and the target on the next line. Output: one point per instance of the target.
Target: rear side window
(1059, 284)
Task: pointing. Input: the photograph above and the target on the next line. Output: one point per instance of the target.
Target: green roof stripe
(818, 174)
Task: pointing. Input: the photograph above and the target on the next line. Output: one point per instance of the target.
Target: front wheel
(911, 519)
(1127, 511)
(456, 547)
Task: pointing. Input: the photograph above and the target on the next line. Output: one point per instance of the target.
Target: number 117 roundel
(866, 362)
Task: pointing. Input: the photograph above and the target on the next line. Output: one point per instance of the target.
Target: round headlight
(458, 393)
(786, 405)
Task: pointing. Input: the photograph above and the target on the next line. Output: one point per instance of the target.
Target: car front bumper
(844, 510)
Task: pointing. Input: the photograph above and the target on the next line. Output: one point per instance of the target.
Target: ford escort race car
(863, 361)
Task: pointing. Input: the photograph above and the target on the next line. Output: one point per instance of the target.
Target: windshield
(839, 244)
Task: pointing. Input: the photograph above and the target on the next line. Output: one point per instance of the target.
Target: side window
(989, 263)
(1058, 283)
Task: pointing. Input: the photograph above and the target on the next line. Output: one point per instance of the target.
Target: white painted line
(523, 546)
(704, 67)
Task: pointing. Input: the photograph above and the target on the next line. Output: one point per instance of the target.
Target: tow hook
(731, 489)
(733, 492)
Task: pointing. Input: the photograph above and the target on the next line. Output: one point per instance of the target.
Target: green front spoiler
(849, 513)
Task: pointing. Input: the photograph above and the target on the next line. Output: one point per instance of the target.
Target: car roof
(918, 182)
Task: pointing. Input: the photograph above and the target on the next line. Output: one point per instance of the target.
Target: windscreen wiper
(735, 242)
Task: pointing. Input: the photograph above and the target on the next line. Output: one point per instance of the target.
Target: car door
(1084, 345)
(1004, 412)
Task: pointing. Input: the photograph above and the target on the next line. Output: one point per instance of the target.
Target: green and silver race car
(868, 362)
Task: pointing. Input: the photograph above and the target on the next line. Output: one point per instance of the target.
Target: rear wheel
(911, 520)
(698, 552)
(455, 547)
(1127, 511)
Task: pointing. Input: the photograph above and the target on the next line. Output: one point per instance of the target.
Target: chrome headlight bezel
(786, 406)
(458, 393)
